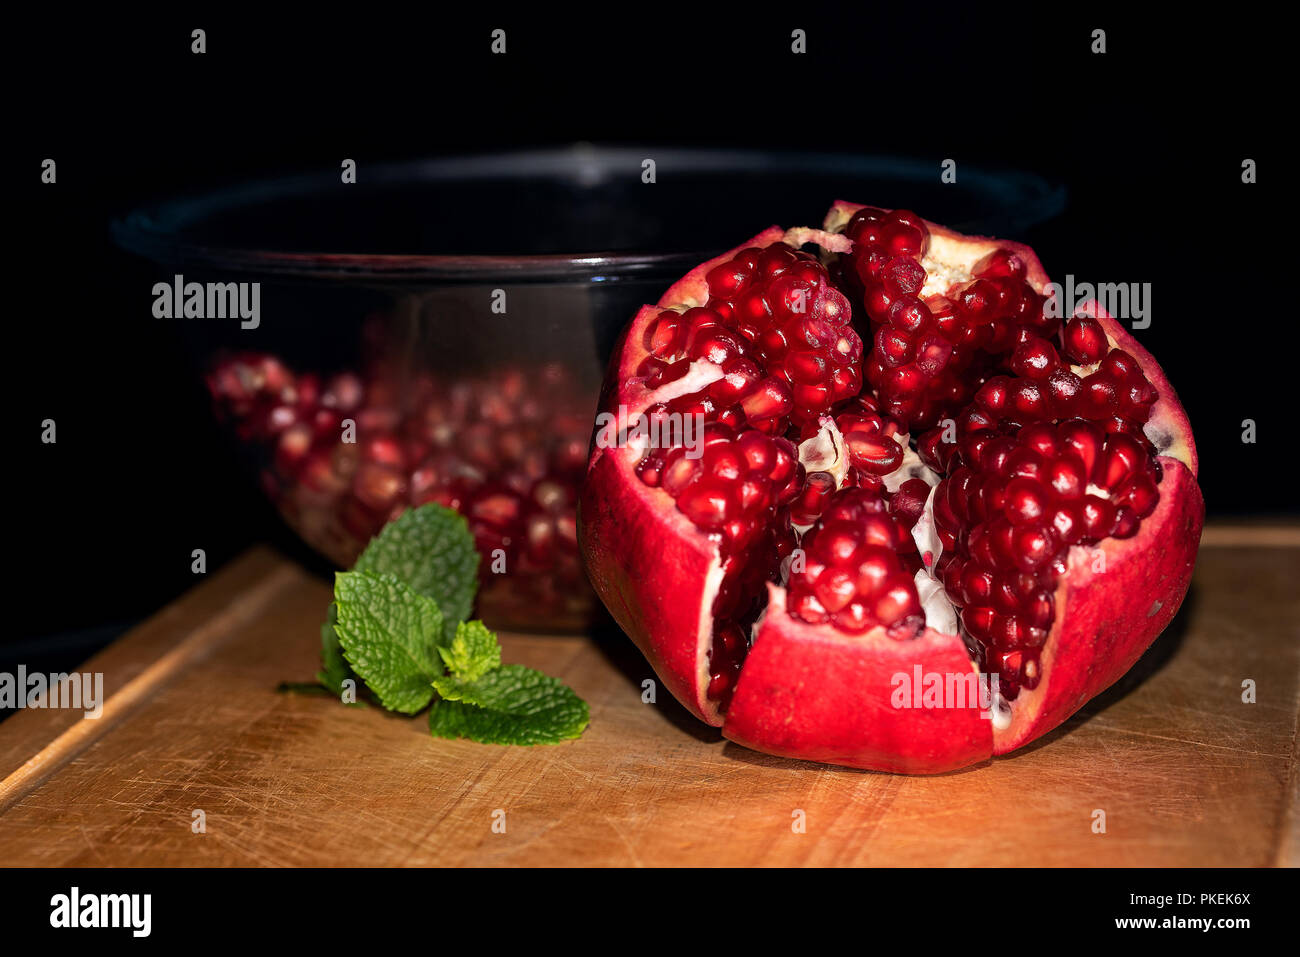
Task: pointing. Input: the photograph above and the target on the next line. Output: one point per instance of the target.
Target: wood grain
(1186, 773)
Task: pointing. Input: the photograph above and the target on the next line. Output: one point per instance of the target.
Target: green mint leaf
(511, 705)
(389, 635)
(430, 548)
(334, 669)
(473, 651)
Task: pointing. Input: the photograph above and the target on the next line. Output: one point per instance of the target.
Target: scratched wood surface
(1185, 772)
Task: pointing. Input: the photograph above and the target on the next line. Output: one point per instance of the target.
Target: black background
(1149, 138)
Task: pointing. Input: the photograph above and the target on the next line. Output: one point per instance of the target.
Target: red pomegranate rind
(629, 532)
(1107, 619)
(808, 692)
(618, 511)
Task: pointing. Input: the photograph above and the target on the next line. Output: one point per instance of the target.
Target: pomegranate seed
(1084, 340)
(902, 276)
(678, 472)
(812, 499)
(1121, 458)
(771, 400)
(1119, 366)
(907, 504)
(344, 393)
(774, 260)
(1067, 478)
(727, 280)
(1035, 359)
(705, 504)
(998, 264)
(1027, 501)
(292, 447)
(1098, 518)
(910, 315)
(1126, 522)
(1139, 493)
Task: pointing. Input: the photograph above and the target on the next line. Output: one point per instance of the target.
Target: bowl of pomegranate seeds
(376, 337)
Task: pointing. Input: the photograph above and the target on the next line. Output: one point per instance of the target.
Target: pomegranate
(505, 449)
(912, 479)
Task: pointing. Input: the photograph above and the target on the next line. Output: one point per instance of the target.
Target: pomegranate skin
(808, 692)
(629, 541)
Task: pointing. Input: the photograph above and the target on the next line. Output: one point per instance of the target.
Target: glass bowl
(458, 314)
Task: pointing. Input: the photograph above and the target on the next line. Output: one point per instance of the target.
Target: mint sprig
(473, 652)
(397, 624)
(430, 548)
(510, 705)
(389, 635)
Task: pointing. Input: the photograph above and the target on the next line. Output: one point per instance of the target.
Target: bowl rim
(156, 231)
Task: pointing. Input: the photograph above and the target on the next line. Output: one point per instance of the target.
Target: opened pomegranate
(505, 449)
(911, 477)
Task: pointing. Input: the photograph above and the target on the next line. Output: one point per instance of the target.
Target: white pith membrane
(948, 263)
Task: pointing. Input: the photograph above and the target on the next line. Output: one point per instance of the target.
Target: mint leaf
(430, 548)
(511, 705)
(389, 635)
(397, 622)
(473, 652)
(494, 704)
(334, 669)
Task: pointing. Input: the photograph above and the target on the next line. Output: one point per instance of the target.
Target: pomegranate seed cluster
(734, 487)
(1009, 512)
(929, 351)
(1116, 395)
(870, 440)
(853, 576)
(1043, 388)
(507, 450)
(781, 334)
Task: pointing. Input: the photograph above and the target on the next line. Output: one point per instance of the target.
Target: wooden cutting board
(1184, 771)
